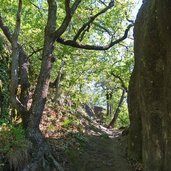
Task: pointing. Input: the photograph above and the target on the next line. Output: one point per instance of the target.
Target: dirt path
(92, 147)
(99, 153)
(102, 154)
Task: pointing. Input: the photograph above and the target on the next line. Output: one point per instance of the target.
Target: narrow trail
(99, 153)
(94, 148)
(103, 154)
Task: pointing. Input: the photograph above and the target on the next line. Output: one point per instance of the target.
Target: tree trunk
(107, 103)
(1, 99)
(42, 159)
(110, 106)
(57, 82)
(135, 128)
(150, 87)
(24, 80)
(116, 114)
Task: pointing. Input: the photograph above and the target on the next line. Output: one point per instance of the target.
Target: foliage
(66, 123)
(4, 90)
(12, 138)
(123, 119)
(4, 80)
(77, 142)
(82, 67)
(86, 74)
(1, 44)
(78, 136)
(14, 147)
(38, 40)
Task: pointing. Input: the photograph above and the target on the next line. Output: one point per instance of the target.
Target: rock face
(150, 87)
(99, 111)
(88, 110)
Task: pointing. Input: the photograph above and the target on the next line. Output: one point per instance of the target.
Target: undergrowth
(14, 147)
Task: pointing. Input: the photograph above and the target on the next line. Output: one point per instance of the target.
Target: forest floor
(97, 154)
(89, 147)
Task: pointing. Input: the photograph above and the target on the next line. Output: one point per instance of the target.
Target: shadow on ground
(93, 153)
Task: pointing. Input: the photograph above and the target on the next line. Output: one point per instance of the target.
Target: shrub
(14, 147)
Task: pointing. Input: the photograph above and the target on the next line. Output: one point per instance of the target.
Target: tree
(113, 121)
(53, 33)
(149, 90)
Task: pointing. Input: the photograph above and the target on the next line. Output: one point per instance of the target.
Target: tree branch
(73, 43)
(18, 22)
(41, 90)
(87, 24)
(103, 2)
(5, 30)
(113, 121)
(121, 80)
(68, 17)
(103, 28)
(20, 104)
(15, 60)
(36, 6)
(34, 51)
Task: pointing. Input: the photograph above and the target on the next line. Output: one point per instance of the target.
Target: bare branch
(36, 6)
(129, 20)
(103, 28)
(103, 2)
(69, 14)
(87, 24)
(34, 51)
(39, 7)
(73, 43)
(75, 6)
(83, 33)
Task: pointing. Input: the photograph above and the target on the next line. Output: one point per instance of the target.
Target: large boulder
(150, 87)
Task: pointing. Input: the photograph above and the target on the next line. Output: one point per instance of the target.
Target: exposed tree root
(44, 161)
(41, 157)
